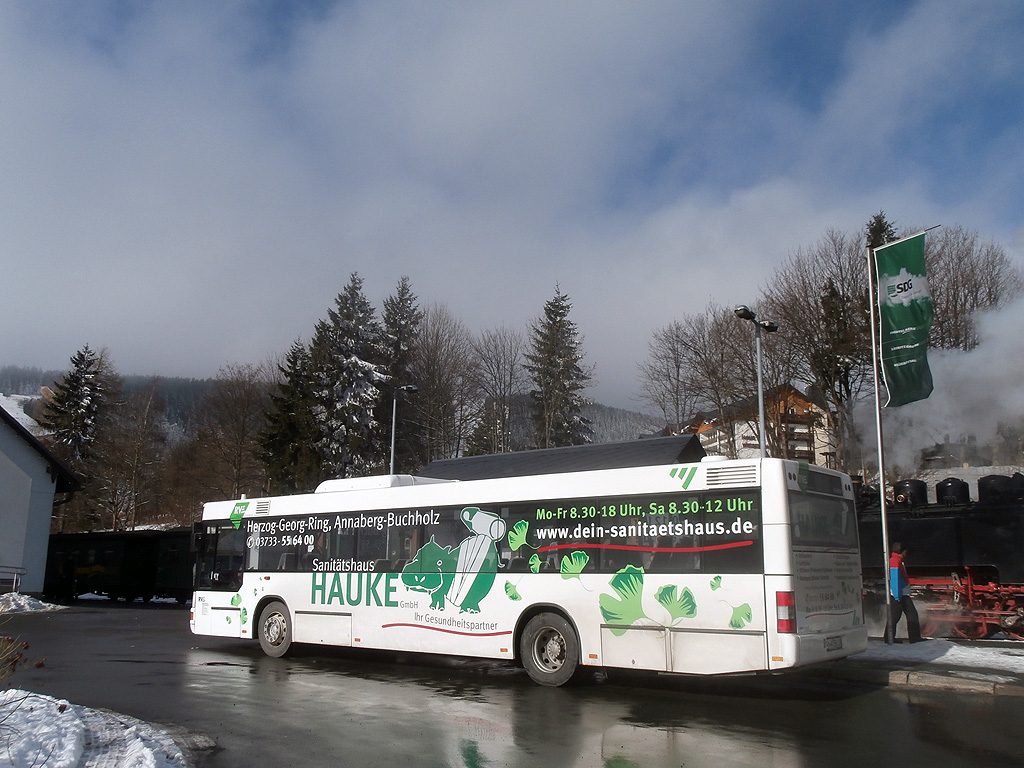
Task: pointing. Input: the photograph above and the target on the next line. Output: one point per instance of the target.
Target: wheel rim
(549, 650)
(972, 630)
(274, 629)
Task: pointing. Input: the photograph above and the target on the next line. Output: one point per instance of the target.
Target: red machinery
(969, 605)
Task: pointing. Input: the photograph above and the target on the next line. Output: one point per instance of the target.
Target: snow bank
(12, 602)
(39, 730)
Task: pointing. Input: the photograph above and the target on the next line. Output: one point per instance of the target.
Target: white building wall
(26, 504)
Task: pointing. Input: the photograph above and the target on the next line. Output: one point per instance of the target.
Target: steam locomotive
(965, 558)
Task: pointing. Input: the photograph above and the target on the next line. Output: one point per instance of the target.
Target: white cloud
(191, 185)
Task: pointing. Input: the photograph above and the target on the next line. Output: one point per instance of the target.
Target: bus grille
(721, 477)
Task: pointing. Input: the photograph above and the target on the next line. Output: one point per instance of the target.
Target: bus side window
(342, 544)
(371, 547)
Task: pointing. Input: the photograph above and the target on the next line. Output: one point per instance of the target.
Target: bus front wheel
(549, 649)
(275, 630)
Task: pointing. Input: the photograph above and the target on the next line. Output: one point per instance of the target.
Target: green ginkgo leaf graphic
(716, 583)
(741, 614)
(471, 754)
(512, 592)
(535, 563)
(627, 608)
(682, 607)
(236, 599)
(517, 535)
(245, 616)
(573, 564)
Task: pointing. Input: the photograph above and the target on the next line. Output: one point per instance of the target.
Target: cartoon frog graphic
(462, 575)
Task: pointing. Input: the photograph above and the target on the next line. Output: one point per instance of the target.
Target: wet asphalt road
(331, 707)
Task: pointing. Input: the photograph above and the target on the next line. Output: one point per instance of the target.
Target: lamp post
(411, 389)
(743, 312)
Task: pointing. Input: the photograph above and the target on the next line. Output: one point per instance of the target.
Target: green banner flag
(905, 313)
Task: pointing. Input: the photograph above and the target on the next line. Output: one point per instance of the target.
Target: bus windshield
(822, 521)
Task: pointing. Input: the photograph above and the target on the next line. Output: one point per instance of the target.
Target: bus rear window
(822, 521)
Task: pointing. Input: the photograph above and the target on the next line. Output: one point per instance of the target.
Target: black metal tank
(952, 492)
(910, 493)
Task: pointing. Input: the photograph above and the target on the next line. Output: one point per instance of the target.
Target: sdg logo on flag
(905, 313)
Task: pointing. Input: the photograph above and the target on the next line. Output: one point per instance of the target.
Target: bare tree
(667, 382)
(695, 369)
(444, 369)
(232, 420)
(182, 485)
(820, 297)
(965, 275)
(502, 382)
(131, 451)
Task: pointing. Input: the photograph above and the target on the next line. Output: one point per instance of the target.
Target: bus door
(219, 550)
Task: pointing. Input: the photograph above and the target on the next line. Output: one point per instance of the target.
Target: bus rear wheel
(275, 630)
(549, 649)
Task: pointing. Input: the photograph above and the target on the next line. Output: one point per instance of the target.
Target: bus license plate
(833, 644)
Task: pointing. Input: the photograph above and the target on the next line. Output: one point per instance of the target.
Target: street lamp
(743, 312)
(411, 389)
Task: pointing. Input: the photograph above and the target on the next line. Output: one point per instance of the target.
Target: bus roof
(374, 482)
(678, 449)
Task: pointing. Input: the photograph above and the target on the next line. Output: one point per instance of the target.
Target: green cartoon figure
(464, 575)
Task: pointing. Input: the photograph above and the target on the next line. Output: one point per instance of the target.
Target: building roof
(678, 449)
(67, 481)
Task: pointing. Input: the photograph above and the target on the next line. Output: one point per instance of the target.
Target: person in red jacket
(903, 604)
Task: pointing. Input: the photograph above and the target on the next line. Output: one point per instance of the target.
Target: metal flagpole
(875, 362)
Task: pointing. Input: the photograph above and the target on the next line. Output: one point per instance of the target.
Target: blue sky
(191, 184)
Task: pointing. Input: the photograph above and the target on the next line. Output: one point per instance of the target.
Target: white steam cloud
(974, 393)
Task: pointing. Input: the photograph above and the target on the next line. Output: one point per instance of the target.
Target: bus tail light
(785, 606)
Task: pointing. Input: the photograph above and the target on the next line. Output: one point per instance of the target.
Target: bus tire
(275, 630)
(549, 649)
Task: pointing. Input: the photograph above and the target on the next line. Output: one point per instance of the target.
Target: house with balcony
(796, 429)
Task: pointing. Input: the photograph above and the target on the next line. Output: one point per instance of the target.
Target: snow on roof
(15, 406)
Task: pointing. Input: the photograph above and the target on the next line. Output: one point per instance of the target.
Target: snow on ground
(12, 602)
(986, 662)
(37, 730)
(40, 730)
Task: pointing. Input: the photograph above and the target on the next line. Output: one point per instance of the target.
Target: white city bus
(712, 567)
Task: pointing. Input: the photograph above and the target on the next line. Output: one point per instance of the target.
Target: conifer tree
(401, 318)
(289, 441)
(72, 416)
(79, 420)
(555, 364)
(879, 231)
(346, 373)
